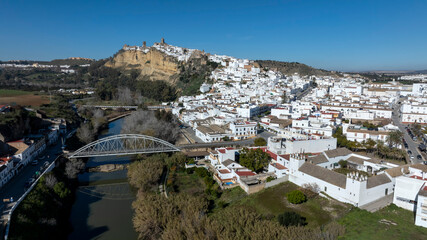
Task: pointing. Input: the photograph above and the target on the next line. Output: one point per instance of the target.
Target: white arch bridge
(124, 144)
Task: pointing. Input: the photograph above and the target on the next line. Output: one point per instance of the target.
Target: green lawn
(11, 92)
(189, 183)
(272, 201)
(361, 224)
(318, 211)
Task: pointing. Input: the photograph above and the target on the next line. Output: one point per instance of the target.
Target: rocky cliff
(153, 64)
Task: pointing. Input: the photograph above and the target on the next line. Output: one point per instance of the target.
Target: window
(326, 188)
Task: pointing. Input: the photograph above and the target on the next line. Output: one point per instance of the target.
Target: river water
(103, 208)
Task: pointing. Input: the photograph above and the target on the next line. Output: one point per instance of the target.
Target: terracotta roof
(278, 166)
(223, 171)
(318, 159)
(337, 152)
(272, 155)
(423, 191)
(324, 174)
(377, 180)
(221, 150)
(245, 173)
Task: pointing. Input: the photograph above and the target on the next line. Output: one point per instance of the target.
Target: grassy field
(189, 183)
(272, 201)
(361, 224)
(24, 98)
(389, 223)
(11, 93)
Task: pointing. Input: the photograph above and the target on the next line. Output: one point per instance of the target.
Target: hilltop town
(246, 124)
(308, 117)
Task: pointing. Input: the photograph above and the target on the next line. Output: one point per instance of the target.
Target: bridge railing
(124, 144)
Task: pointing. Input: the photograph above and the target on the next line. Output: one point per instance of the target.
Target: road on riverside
(16, 186)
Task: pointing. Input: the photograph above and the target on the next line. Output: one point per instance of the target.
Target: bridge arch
(124, 144)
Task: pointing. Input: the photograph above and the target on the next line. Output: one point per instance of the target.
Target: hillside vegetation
(290, 68)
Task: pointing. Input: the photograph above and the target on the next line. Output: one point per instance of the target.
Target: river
(103, 208)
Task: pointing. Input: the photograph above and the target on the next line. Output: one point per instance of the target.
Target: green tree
(260, 142)
(291, 219)
(284, 97)
(254, 159)
(394, 138)
(145, 173)
(369, 145)
(61, 190)
(296, 197)
(226, 139)
(343, 163)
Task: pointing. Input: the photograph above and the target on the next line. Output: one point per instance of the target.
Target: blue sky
(337, 35)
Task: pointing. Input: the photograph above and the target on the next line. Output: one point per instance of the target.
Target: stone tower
(162, 41)
(144, 44)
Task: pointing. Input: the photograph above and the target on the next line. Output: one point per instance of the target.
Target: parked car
(409, 152)
(34, 163)
(412, 157)
(419, 157)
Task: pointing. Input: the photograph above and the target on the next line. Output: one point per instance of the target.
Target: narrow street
(413, 146)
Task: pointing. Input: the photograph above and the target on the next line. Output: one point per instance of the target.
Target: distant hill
(67, 61)
(71, 61)
(420, 72)
(289, 68)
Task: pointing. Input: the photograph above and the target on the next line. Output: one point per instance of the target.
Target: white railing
(51, 166)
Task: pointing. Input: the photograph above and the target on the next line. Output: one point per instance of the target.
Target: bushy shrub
(291, 219)
(343, 163)
(296, 197)
(260, 142)
(61, 190)
(202, 172)
(269, 179)
(190, 170)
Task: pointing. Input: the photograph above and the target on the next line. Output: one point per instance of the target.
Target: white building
(411, 192)
(243, 130)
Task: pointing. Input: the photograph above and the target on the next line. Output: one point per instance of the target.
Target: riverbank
(44, 212)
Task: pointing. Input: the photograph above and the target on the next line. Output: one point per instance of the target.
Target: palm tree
(394, 138)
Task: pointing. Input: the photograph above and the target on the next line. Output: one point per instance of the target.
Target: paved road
(189, 132)
(16, 186)
(413, 146)
(302, 94)
(245, 142)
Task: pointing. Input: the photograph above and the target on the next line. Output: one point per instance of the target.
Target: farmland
(23, 98)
